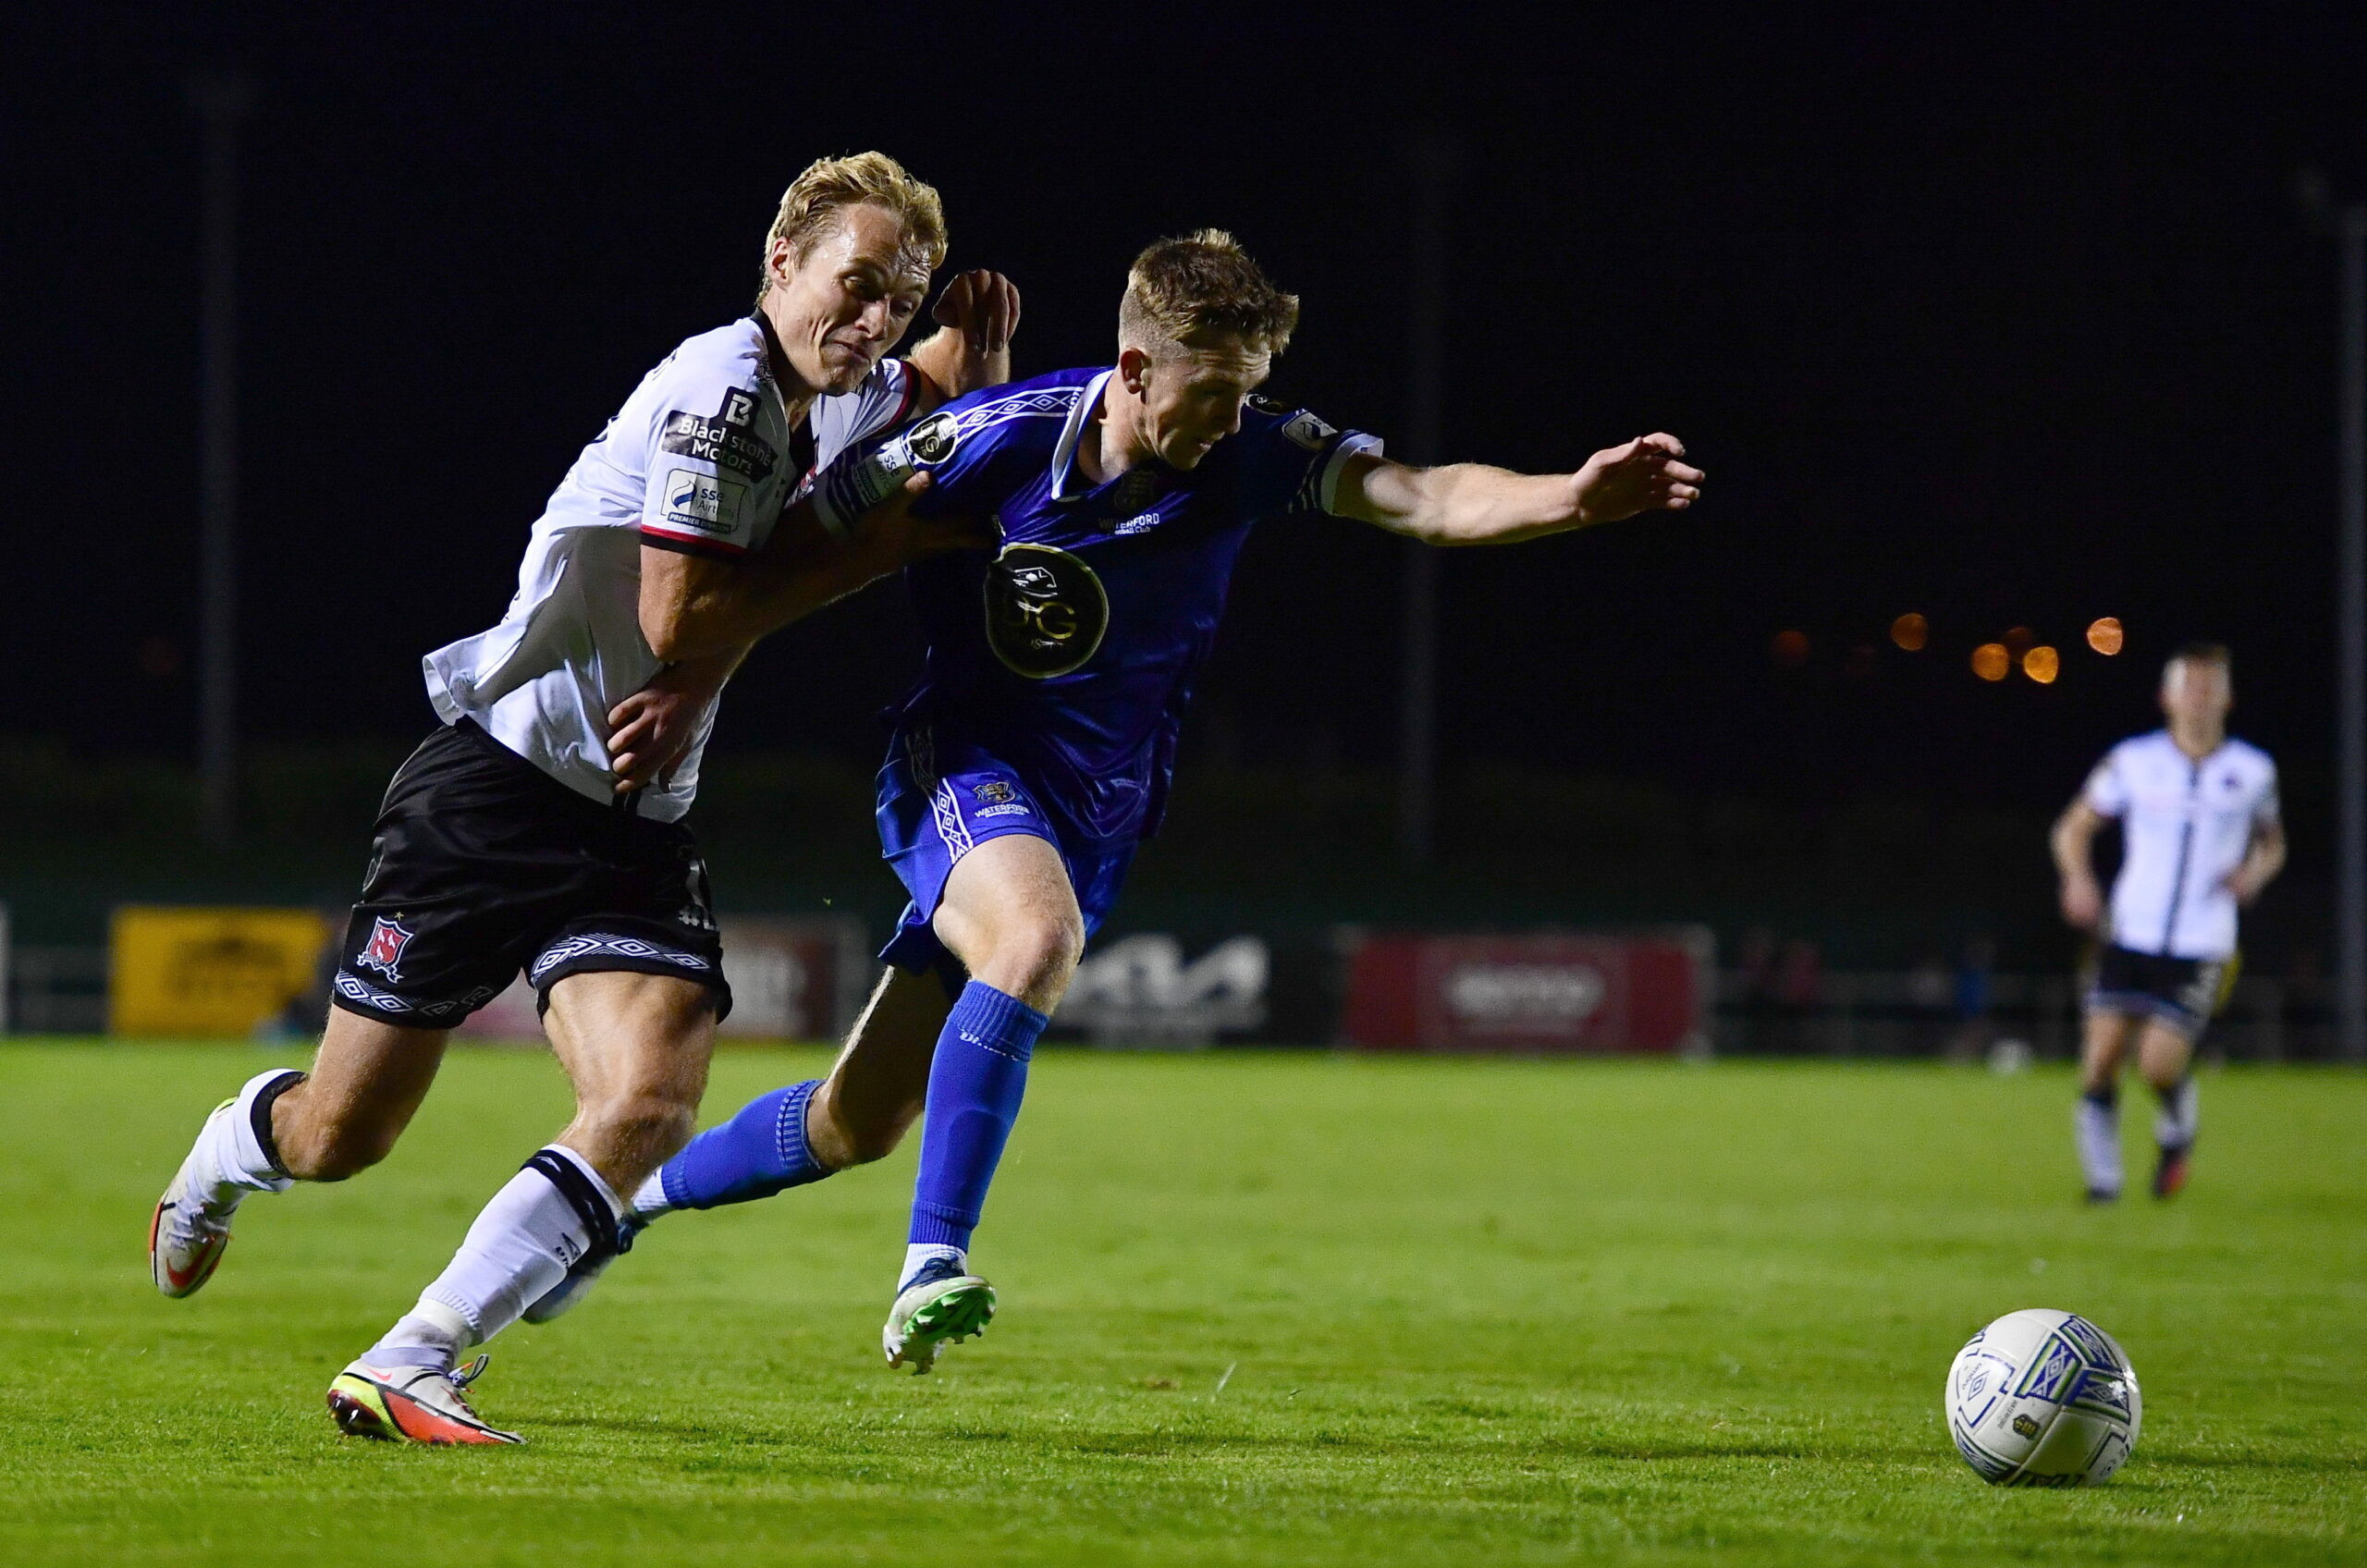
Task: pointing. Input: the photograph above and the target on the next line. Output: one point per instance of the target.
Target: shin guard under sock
(762, 1150)
(975, 1084)
(554, 1212)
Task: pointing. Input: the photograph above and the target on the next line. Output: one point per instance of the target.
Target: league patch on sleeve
(708, 503)
(933, 440)
(1309, 431)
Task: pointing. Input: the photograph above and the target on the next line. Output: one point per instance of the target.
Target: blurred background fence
(1546, 992)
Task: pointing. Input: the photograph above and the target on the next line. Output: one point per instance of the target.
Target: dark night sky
(2000, 321)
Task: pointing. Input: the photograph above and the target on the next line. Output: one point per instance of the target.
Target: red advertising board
(1538, 992)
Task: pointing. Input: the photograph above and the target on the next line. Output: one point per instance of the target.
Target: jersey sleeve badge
(1307, 430)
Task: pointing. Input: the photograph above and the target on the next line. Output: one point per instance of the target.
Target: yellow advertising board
(209, 971)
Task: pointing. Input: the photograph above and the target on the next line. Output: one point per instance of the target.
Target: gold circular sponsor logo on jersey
(1045, 610)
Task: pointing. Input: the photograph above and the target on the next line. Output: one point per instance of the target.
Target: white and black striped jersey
(702, 458)
(2184, 826)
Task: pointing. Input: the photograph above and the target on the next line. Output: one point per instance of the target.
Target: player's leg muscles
(636, 1047)
(1011, 915)
(2163, 1054)
(365, 1085)
(876, 1087)
(2102, 1043)
(797, 1135)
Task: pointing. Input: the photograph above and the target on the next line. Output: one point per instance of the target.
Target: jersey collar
(1064, 479)
(776, 358)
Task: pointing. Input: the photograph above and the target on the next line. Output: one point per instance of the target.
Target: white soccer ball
(2043, 1398)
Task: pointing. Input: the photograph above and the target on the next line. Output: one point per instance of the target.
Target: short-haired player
(2201, 836)
(539, 827)
(1038, 748)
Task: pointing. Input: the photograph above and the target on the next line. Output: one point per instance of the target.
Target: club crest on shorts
(384, 950)
(994, 793)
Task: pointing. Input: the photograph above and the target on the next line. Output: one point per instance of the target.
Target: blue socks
(975, 1087)
(759, 1152)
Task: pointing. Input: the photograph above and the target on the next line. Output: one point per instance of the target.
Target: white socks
(2097, 1120)
(231, 1162)
(649, 1198)
(921, 1253)
(520, 1245)
(2174, 1128)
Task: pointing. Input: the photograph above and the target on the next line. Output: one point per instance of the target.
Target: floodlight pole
(221, 102)
(2351, 967)
(1433, 161)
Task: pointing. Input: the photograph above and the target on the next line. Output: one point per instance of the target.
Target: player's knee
(1042, 954)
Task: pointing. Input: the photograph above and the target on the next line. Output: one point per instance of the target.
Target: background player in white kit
(2199, 835)
(513, 840)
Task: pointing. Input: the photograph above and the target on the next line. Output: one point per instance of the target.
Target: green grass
(1288, 1310)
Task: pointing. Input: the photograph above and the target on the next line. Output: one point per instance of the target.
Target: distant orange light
(2019, 640)
(1991, 661)
(1910, 631)
(2105, 635)
(2043, 664)
(1790, 648)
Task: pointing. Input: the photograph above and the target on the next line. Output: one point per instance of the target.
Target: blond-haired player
(2199, 836)
(1036, 750)
(533, 832)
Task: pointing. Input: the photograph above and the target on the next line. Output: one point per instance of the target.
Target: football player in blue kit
(1037, 749)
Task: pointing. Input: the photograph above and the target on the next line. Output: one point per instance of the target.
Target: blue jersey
(1070, 652)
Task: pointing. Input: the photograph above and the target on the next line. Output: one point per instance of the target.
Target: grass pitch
(1256, 1310)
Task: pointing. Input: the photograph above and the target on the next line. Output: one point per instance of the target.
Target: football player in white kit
(2199, 836)
(539, 828)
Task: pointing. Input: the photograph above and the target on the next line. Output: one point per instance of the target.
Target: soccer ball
(2043, 1398)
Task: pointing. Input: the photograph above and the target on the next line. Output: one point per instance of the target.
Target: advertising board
(1553, 992)
(209, 972)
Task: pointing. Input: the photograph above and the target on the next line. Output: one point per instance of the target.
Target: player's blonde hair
(829, 185)
(1184, 291)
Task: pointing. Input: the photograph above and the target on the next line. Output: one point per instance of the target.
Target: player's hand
(649, 730)
(2083, 903)
(2243, 883)
(984, 308)
(894, 536)
(1642, 476)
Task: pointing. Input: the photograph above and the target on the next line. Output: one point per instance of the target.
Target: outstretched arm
(1473, 504)
(976, 317)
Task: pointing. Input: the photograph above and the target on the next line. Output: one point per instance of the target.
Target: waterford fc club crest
(384, 950)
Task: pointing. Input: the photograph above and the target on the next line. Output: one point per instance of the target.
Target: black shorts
(486, 865)
(2181, 992)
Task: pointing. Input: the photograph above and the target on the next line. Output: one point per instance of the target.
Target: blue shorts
(937, 804)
